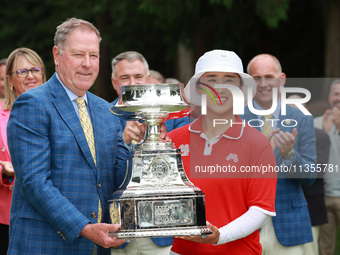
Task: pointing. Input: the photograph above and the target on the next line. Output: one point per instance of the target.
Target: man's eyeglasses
(23, 73)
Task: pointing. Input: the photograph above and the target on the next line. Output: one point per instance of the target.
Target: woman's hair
(12, 62)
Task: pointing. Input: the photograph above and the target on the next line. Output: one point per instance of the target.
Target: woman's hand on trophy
(163, 135)
(211, 238)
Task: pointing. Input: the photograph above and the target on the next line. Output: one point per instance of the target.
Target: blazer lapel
(66, 110)
(282, 128)
(98, 129)
(286, 121)
(251, 116)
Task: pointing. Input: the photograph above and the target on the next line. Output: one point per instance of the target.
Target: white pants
(312, 248)
(271, 245)
(142, 246)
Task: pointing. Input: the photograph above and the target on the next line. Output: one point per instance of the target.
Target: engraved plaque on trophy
(157, 198)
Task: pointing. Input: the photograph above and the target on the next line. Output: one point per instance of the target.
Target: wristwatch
(290, 155)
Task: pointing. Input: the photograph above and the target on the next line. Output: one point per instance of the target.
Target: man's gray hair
(130, 56)
(68, 26)
(157, 75)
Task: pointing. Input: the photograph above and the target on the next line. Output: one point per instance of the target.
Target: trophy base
(162, 232)
(160, 216)
(157, 199)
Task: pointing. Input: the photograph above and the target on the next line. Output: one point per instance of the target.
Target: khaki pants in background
(312, 248)
(327, 236)
(142, 246)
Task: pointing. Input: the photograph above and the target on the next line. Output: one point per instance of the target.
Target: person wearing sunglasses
(24, 70)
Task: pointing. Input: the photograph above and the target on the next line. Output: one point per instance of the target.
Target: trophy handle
(144, 137)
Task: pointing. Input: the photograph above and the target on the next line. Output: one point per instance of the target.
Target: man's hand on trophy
(211, 238)
(134, 132)
(99, 234)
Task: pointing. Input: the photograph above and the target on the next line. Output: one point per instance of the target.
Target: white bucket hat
(218, 61)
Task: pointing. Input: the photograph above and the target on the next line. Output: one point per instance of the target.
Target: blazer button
(98, 185)
(3, 149)
(94, 215)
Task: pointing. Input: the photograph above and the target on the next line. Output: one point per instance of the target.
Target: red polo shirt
(228, 194)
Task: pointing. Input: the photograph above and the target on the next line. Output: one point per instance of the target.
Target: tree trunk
(187, 58)
(332, 42)
(103, 87)
(185, 63)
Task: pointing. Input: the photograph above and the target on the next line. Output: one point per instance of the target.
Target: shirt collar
(275, 114)
(71, 94)
(234, 132)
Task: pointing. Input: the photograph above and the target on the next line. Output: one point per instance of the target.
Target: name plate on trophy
(179, 212)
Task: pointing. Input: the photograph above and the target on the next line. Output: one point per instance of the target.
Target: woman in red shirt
(225, 158)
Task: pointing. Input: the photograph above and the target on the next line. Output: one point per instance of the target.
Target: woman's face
(28, 79)
(219, 100)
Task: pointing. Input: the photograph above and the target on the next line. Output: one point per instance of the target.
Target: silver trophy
(157, 198)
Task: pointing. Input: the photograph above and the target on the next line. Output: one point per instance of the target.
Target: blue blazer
(58, 186)
(292, 223)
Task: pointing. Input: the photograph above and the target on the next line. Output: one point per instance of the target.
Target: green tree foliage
(272, 11)
(156, 27)
(133, 22)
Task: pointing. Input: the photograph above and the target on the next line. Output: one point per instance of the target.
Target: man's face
(334, 97)
(2, 79)
(214, 106)
(129, 73)
(78, 66)
(265, 72)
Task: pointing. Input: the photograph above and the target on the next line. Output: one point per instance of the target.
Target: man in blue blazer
(61, 190)
(294, 149)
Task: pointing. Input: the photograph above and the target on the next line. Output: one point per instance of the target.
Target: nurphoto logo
(238, 103)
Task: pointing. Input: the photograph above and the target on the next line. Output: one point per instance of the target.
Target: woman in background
(24, 70)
